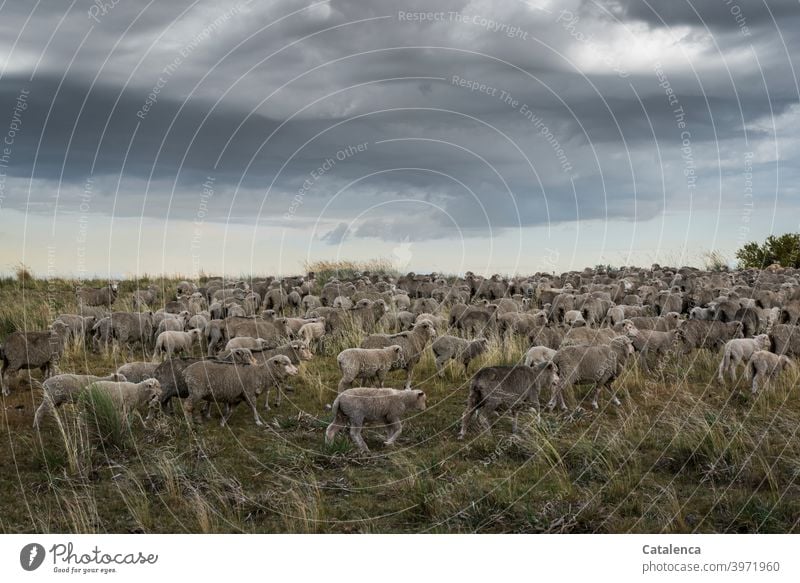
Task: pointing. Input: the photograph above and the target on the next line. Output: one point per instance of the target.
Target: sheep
(574, 319)
(538, 354)
(64, 388)
(439, 322)
(236, 311)
(171, 341)
(698, 313)
(232, 383)
(176, 323)
(785, 339)
(367, 363)
(737, 351)
(600, 365)
(27, 350)
(77, 325)
(663, 323)
(128, 328)
(312, 331)
(646, 342)
(506, 387)
(368, 404)
(342, 302)
(704, 334)
(129, 397)
(764, 366)
(412, 342)
(198, 321)
(252, 344)
(136, 372)
(104, 296)
(142, 298)
(170, 372)
(447, 348)
(292, 325)
(311, 302)
(297, 351)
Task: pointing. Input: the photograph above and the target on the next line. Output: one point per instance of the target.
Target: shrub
(783, 250)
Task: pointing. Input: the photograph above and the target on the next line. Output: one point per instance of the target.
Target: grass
(682, 454)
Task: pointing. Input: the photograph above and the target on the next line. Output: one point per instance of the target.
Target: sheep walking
(737, 351)
(764, 366)
(172, 341)
(252, 344)
(599, 365)
(129, 397)
(136, 372)
(506, 387)
(64, 388)
(27, 350)
(446, 348)
(372, 405)
(538, 354)
(366, 364)
(413, 344)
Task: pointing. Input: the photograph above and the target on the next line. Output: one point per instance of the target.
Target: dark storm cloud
(350, 114)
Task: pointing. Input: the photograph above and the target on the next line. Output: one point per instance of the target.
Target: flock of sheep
(582, 328)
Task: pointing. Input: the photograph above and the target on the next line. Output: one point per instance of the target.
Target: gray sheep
(506, 387)
(446, 348)
(64, 388)
(231, 384)
(104, 296)
(129, 397)
(372, 405)
(765, 366)
(600, 365)
(27, 350)
(136, 372)
(413, 344)
(367, 364)
(170, 342)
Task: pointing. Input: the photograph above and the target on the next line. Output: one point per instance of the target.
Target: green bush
(783, 250)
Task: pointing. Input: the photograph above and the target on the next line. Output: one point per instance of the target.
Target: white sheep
(538, 355)
(172, 341)
(367, 363)
(739, 350)
(367, 404)
(252, 344)
(765, 366)
(130, 397)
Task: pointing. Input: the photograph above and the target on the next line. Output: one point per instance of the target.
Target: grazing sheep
(574, 319)
(233, 383)
(739, 350)
(104, 296)
(312, 331)
(367, 404)
(64, 388)
(765, 366)
(252, 344)
(170, 372)
(129, 397)
(367, 364)
(538, 354)
(171, 342)
(507, 387)
(600, 365)
(703, 334)
(412, 342)
(27, 350)
(446, 348)
(136, 372)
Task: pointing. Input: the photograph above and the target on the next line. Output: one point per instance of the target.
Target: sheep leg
(515, 422)
(733, 364)
(334, 428)
(252, 400)
(279, 389)
(408, 378)
(355, 434)
(440, 366)
(226, 415)
(472, 406)
(44, 408)
(266, 400)
(188, 410)
(395, 429)
(484, 421)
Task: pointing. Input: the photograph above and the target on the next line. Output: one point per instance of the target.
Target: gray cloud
(348, 116)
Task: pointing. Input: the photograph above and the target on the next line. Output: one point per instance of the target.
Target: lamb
(129, 397)
(175, 323)
(446, 348)
(737, 351)
(413, 343)
(312, 331)
(765, 366)
(252, 344)
(367, 363)
(600, 365)
(232, 383)
(538, 354)
(136, 372)
(26, 350)
(170, 342)
(574, 319)
(104, 296)
(507, 387)
(64, 388)
(367, 404)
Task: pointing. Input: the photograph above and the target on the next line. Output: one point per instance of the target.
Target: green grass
(682, 454)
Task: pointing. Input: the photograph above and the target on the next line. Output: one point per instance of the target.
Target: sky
(251, 137)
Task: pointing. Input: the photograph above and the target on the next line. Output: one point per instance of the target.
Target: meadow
(681, 454)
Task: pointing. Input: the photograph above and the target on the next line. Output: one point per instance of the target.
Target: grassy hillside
(681, 454)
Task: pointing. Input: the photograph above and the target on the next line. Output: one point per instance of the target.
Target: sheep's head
(284, 364)
(420, 400)
(426, 327)
(302, 350)
(763, 341)
(152, 389)
(242, 356)
(268, 315)
(396, 351)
